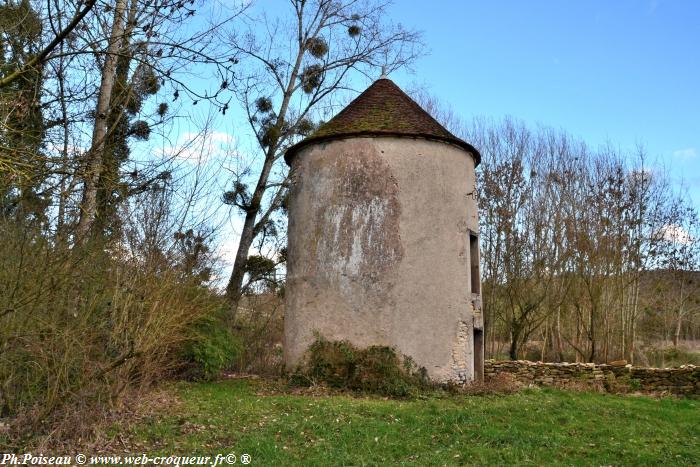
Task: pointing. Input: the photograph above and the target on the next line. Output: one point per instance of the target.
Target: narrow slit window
(474, 262)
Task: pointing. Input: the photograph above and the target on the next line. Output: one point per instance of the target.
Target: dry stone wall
(683, 381)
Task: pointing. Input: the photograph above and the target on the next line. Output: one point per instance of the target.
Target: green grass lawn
(530, 427)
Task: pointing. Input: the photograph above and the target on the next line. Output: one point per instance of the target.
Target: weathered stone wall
(684, 380)
(378, 250)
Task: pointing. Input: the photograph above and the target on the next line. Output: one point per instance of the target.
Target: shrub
(635, 384)
(212, 349)
(259, 325)
(376, 369)
(332, 362)
(81, 326)
(622, 384)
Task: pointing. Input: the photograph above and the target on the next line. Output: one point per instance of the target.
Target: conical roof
(383, 109)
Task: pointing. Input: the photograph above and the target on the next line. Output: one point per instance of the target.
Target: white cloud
(57, 149)
(197, 148)
(685, 154)
(227, 250)
(675, 234)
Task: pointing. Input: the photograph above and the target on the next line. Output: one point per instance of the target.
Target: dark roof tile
(383, 109)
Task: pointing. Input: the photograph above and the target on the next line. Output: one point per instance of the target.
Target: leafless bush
(79, 327)
(260, 325)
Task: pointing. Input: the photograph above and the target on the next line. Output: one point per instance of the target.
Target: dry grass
(134, 409)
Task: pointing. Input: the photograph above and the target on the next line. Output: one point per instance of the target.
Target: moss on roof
(383, 109)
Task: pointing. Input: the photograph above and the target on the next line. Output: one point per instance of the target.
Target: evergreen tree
(22, 128)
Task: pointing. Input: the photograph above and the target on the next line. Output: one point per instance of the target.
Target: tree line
(108, 268)
(108, 242)
(589, 252)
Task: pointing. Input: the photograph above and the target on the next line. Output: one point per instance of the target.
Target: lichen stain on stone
(357, 217)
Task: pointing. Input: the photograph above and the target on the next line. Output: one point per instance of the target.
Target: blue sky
(626, 72)
(618, 72)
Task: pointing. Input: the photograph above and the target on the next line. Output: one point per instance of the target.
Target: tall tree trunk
(234, 289)
(93, 169)
(592, 335)
(560, 350)
(677, 333)
(633, 318)
(62, 186)
(514, 340)
(235, 283)
(545, 341)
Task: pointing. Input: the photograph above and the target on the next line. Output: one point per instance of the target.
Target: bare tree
(137, 48)
(295, 68)
(99, 133)
(578, 245)
(679, 282)
(38, 60)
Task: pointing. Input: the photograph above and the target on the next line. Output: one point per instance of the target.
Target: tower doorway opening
(478, 355)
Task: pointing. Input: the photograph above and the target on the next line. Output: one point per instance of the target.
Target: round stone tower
(383, 237)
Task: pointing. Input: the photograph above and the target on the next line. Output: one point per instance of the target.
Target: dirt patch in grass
(110, 433)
